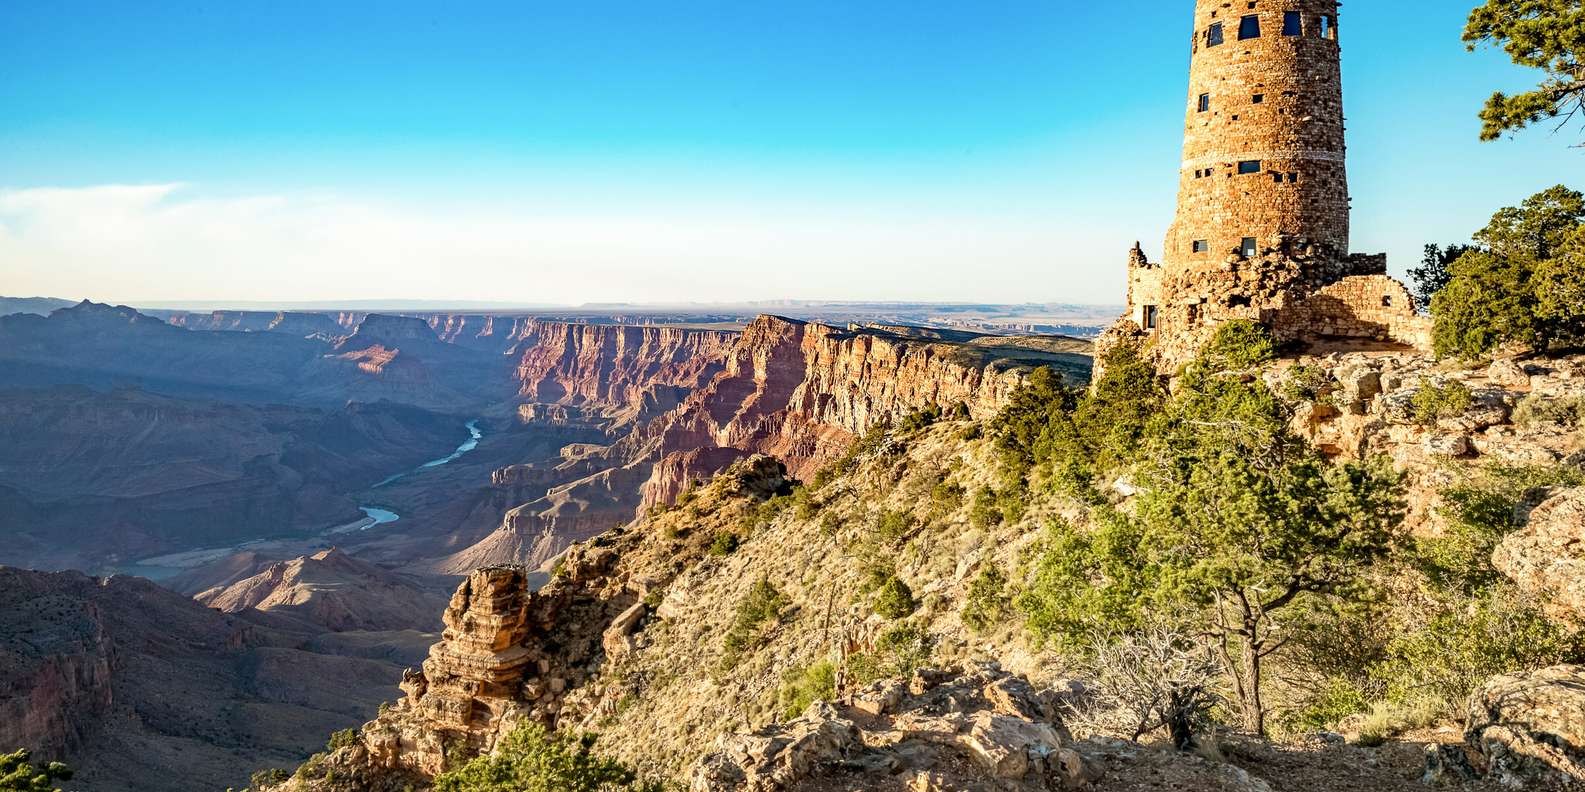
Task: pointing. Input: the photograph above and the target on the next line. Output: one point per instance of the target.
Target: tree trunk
(1254, 709)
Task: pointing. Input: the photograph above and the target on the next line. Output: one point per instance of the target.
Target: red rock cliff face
(643, 369)
(801, 392)
(796, 391)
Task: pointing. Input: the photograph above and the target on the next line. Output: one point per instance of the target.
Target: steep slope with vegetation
(1205, 568)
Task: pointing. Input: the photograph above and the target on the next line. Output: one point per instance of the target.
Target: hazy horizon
(697, 153)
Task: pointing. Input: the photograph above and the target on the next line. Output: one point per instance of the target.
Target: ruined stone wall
(1363, 306)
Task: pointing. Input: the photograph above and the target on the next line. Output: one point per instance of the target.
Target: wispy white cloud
(172, 242)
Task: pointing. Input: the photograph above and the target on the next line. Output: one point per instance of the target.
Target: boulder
(1528, 730)
(1509, 374)
(1546, 559)
(777, 757)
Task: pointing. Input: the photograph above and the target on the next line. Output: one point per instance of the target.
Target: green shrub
(947, 496)
(533, 759)
(986, 511)
(346, 738)
(724, 544)
(1326, 708)
(1238, 345)
(870, 442)
(1523, 283)
(804, 686)
(919, 420)
(762, 605)
(1306, 383)
(18, 774)
(1460, 649)
(1013, 501)
(899, 651)
(1433, 402)
(894, 599)
(891, 527)
(986, 604)
(1568, 412)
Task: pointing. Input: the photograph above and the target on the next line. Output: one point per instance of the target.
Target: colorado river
(377, 516)
(162, 567)
(474, 436)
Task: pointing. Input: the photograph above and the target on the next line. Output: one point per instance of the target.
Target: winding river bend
(161, 567)
(376, 515)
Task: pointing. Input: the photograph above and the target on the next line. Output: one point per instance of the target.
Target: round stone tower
(1263, 154)
(1261, 232)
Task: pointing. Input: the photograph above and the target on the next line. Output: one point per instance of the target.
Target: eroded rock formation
(332, 590)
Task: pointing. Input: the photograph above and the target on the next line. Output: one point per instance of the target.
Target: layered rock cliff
(802, 392)
(798, 391)
(635, 372)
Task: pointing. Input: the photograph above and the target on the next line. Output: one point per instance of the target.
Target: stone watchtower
(1263, 209)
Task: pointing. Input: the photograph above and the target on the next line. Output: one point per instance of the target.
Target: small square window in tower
(1248, 166)
(1328, 28)
(1149, 317)
(1201, 246)
(1292, 24)
(1249, 27)
(1205, 102)
(1248, 247)
(1257, 99)
(1213, 36)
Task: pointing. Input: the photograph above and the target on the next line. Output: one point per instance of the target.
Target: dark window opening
(1292, 24)
(1248, 166)
(1249, 27)
(1257, 99)
(1386, 301)
(1328, 28)
(1213, 37)
(1276, 177)
(1205, 102)
(1150, 317)
(1201, 245)
(1238, 301)
(1248, 247)
(1293, 178)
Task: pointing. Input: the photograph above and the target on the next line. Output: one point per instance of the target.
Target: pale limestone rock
(1529, 729)
(1546, 559)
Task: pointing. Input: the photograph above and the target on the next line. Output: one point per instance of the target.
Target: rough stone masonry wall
(1275, 99)
(1367, 306)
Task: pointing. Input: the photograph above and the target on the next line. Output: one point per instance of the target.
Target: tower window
(1249, 27)
(1201, 246)
(1386, 301)
(1328, 28)
(1213, 36)
(1205, 102)
(1238, 301)
(1257, 99)
(1248, 166)
(1276, 177)
(1150, 317)
(1248, 247)
(1292, 23)
(1293, 178)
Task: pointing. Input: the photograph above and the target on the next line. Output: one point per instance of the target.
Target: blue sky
(540, 152)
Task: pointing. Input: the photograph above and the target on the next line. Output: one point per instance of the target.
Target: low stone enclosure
(1303, 292)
